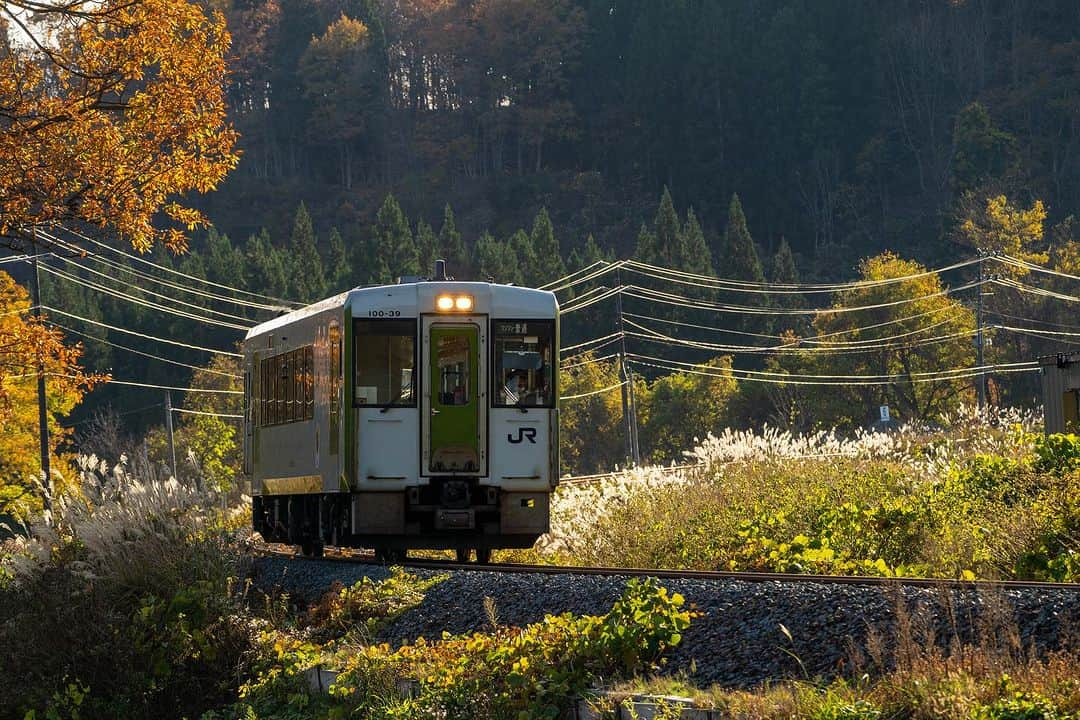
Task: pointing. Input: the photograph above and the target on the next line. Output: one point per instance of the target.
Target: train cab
(416, 415)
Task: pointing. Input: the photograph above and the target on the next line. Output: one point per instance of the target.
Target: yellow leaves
(129, 115)
(1000, 227)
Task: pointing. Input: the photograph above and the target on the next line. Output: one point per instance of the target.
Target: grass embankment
(134, 603)
(976, 500)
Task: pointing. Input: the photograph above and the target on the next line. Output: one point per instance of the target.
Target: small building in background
(1061, 392)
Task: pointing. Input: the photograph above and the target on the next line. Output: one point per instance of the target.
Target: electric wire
(169, 298)
(140, 352)
(1032, 290)
(1017, 262)
(830, 380)
(144, 303)
(590, 361)
(150, 293)
(181, 274)
(696, 304)
(185, 411)
(793, 288)
(609, 388)
(96, 257)
(144, 336)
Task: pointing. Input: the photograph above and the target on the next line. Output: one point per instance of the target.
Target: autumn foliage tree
(109, 111)
(24, 343)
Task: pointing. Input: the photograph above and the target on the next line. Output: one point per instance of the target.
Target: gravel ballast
(739, 639)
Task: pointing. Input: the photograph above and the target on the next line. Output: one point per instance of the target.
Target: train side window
(524, 363)
(385, 371)
(335, 387)
(287, 387)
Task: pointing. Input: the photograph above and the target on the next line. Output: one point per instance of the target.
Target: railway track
(356, 557)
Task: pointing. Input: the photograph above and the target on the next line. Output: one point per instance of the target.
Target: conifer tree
(528, 261)
(496, 260)
(783, 271)
(740, 259)
(395, 250)
(452, 247)
(225, 263)
(693, 250)
(338, 270)
(307, 281)
(427, 247)
(546, 262)
(668, 233)
(589, 253)
(740, 262)
(645, 250)
(265, 265)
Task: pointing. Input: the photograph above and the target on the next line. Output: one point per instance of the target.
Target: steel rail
(668, 574)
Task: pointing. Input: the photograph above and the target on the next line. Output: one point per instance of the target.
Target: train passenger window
(385, 363)
(288, 387)
(524, 363)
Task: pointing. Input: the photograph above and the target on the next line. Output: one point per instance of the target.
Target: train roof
(541, 302)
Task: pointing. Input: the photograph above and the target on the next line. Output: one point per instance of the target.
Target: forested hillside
(845, 128)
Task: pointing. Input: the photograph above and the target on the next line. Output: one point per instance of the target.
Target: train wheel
(463, 555)
(483, 555)
(312, 548)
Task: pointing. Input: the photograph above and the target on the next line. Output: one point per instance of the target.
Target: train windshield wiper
(405, 392)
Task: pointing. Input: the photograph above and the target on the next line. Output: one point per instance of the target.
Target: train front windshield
(524, 363)
(385, 363)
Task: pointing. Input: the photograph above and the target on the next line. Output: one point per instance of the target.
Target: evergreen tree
(668, 233)
(589, 253)
(645, 250)
(496, 260)
(452, 247)
(265, 266)
(693, 251)
(740, 262)
(338, 269)
(783, 271)
(225, 263)
(740, 259)
(395, 250)
(528, 261)
(546, 262)
(427, 246)
(307, 281)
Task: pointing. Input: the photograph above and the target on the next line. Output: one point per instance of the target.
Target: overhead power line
(149, 277)
(140, 352)
(171, 271)
(188, 346)
(139, 301)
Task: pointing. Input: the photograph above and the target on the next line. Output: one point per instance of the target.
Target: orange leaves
(124, 114)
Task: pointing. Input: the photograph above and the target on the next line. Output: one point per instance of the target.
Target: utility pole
(629, 405)
(169, 432)
(980, 377)
(43, 416)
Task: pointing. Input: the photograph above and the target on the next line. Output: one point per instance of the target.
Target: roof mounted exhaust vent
(440, 270)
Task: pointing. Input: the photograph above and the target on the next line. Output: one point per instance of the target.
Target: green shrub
(532, 672)
(1057, 454)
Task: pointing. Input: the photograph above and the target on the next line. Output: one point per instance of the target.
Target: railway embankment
(745, 632)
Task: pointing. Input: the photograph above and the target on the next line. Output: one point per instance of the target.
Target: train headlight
(447, 303)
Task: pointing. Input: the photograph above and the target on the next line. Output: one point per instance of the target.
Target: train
(418, 415)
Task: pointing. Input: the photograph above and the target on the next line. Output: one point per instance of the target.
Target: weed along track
(748, 628)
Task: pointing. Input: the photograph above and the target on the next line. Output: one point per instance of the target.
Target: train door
(454, 438)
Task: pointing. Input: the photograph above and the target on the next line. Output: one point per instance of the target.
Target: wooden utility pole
(629, 406)
(169, 432)
(43, 415)
(980, 378)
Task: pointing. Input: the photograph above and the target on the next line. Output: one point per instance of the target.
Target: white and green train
(416, 415)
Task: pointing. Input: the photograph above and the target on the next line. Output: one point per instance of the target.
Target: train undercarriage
(448, 514)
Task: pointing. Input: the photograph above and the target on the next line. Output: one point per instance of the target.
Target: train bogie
(417, 415)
